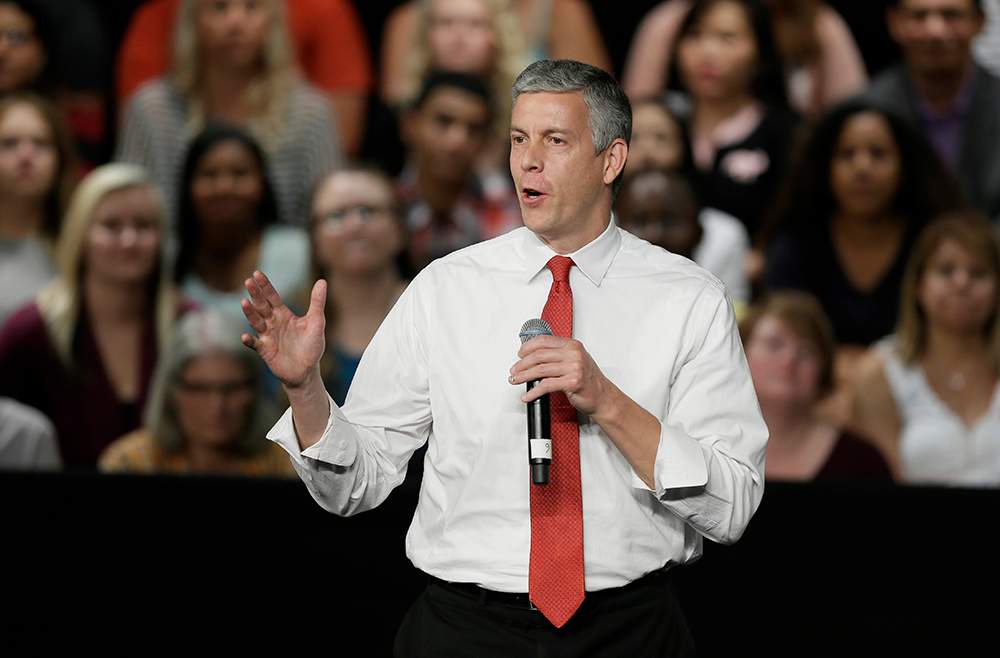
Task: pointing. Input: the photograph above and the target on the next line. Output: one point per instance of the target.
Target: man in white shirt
(671, 440)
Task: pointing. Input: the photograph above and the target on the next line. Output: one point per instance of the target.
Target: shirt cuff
(336, 446)
(680, 463)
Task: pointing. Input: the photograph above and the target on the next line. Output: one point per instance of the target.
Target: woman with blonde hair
(928, 393)
(232, 62)
(83, 351)
(37, 175)
(494, 39)
(205, 413)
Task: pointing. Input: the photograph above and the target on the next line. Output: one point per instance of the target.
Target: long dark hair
(189, 224)
(806, 203)
(768, 84)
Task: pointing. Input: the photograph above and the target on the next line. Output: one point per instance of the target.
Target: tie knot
(560, 268)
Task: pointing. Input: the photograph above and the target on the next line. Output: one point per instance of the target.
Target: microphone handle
(539, 437)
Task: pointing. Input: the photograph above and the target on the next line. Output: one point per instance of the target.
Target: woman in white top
(928, 393)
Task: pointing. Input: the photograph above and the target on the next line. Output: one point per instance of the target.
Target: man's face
(448, 132)
(935, 35)
(559, 178)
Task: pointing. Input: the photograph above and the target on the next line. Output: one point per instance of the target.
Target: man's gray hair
(609, 112)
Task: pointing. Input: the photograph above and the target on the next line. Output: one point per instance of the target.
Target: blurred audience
(658, 139)
(493, 39)
(739, 122)
(661, 207)
(861, 189)
(66, 66)
(447, 204)
(83, 352)
(821, 62)
(928, 394)
(329, 45)
(232, 62)
(940, 89)
(205, 414)
(27, 438)
(227, 215)
(359, 245)
(986, 45)
(790, 348)
(37, 174)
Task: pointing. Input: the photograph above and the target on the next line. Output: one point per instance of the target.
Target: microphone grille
(534, 327)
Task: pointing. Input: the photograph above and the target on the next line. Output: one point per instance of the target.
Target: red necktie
(555, 573)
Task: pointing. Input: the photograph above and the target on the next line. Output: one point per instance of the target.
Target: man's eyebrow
(546, 132)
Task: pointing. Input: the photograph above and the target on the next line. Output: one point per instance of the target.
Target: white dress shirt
(656, 324)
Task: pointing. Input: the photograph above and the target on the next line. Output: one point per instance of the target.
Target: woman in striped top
(232, 62)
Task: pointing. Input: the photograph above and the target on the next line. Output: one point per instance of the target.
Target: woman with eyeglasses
(359, 248)
(205, 412)
(83, 351)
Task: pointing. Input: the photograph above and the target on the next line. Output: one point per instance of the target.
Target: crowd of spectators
(852, 213)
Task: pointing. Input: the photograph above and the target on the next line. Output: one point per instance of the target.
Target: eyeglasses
(365, 214)
(16, 36)
(205, 389)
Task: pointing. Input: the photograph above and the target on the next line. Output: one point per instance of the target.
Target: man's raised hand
(290, 345)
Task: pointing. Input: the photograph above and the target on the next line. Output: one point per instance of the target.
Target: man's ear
(614, 160)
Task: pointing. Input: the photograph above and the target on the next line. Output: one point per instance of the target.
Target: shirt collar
(593, 259)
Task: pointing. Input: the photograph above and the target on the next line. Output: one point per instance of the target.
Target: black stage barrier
(128, 565)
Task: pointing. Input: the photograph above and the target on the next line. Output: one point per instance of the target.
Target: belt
(522, 600)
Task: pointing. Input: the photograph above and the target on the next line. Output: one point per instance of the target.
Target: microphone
(539, 414)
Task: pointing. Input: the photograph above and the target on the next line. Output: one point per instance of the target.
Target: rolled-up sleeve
(364, 450)
(710, 459)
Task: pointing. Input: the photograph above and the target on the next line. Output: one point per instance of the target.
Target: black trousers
(639, 620)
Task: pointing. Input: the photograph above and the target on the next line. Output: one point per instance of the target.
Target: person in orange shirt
(329, 44)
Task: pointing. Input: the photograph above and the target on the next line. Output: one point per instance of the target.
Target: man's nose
(531, 157)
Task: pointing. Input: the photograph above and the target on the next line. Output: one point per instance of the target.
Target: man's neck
(941, 90)
(440, 195)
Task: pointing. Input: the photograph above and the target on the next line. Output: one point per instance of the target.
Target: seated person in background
(862, 188)
(227, 216)
(822, 64)
(359, 247)
(37, 174)
(205, 414)
(942, 91)
(27, 438)
(739, 122)
(790, 347)
(232, 63)
(63, 65)
(329, 45)
(661, 207)
(928, 394)
(658, 140)
(447, 205)
(83, 352)
(493, 39)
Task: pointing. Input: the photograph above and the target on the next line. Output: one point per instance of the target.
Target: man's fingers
(539, 371)
(541, 342)
(317, 299)
(267, 290)
(537, 357)
(252, 316)
(549, 385)
(249, 341)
